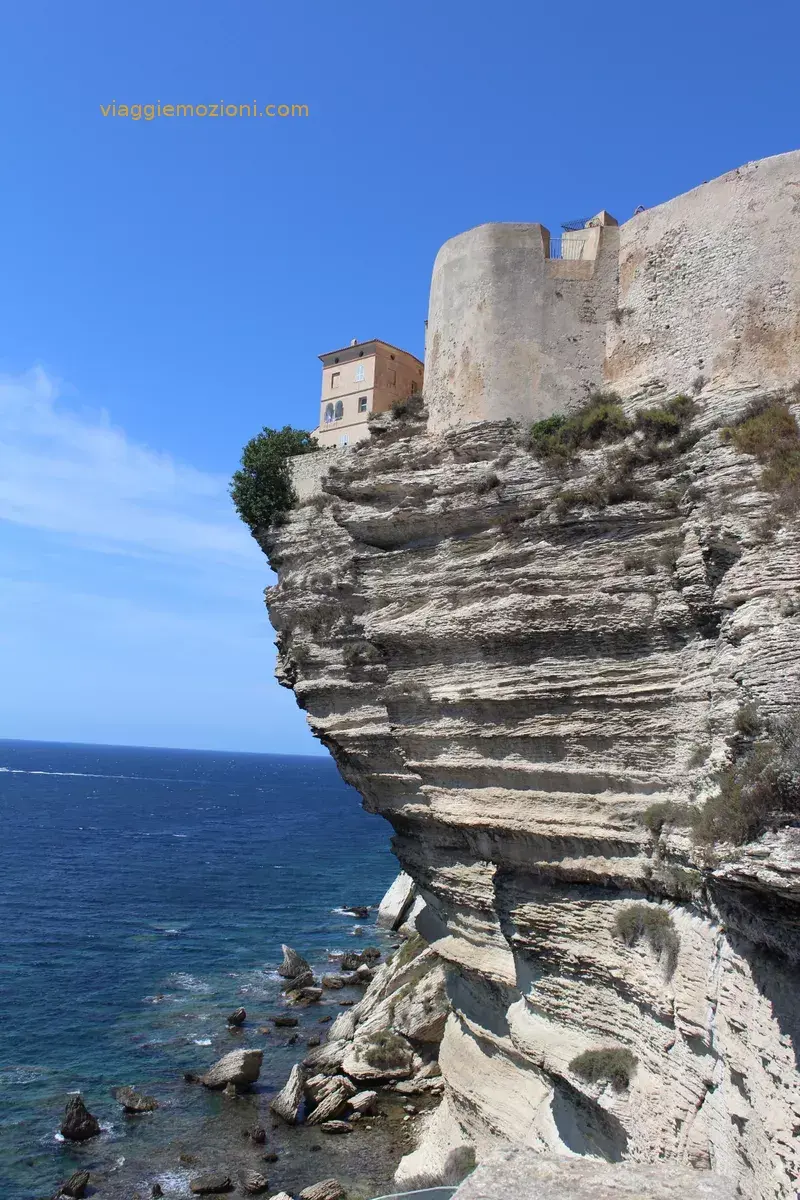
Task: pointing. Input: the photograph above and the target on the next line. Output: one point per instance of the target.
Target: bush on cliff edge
(261, 489)
(611, 1064)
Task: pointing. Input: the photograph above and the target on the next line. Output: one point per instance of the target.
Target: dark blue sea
(144, 894)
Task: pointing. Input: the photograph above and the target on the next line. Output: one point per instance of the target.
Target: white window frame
(359, 372)
(362, 407)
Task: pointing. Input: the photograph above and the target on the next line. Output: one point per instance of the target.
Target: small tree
(261, 489)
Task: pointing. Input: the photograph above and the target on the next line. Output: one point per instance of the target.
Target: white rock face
(527, 1176)
(514, 681)
(397, 902)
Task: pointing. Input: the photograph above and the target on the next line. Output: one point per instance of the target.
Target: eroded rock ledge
(513, 686)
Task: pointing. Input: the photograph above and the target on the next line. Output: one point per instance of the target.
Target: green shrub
(486, 482)
(665, 812)
(636, 921)
(261, 489)
(748, 721)
(760, 788)
(560, 438)
(407, 406)
(385, 1049)
(550, 439)
(658, 423)
(612, 1064)
(667, 421)
(639, 560)
(769, 432)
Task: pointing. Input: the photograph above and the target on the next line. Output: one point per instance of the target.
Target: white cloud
(72, 472)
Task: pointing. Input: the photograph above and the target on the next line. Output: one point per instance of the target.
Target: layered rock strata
(514, 682)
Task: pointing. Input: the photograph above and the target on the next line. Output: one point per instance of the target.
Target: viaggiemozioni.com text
(151, 112)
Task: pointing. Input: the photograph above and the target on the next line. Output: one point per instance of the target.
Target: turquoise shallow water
(144, 894)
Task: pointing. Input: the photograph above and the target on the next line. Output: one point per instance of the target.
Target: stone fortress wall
(705, 284)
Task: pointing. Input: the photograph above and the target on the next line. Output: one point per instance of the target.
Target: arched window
(339, 410)
(328, 413)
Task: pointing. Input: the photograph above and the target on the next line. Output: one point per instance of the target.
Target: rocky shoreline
(353, 1104)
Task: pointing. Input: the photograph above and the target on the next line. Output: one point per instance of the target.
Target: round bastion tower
(521, 326)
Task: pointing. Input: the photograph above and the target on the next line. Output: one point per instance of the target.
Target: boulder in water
(284, 1020)
(78, 1124)
(326, 1189)
(333, 981)
(237, 1017)
(356, 910)
(293, 964)
(289, 1100)
(133, 1102)
(329, 1107)
(240, 1067)
(207, 1185)
(363, 1102)
(307, 995)
(303, 980)
(76, 1185)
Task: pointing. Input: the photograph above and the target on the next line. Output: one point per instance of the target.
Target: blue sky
(166, 286)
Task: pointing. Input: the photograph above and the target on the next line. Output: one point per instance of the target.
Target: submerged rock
(240, 1067)
(78, 1124)
(289, 1100)
(336, 1127)
(284, 1021)
(293, 964)
(206, 1185)
(238, 1017)
(253, 1182)
(133, 1102)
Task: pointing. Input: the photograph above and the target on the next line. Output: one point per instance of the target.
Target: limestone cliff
(515, 676)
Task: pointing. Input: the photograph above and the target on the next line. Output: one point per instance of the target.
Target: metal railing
(566, 247)
(433, 1193)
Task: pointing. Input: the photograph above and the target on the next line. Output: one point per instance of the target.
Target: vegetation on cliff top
(769, 431)
(601, 421)
(261, 489)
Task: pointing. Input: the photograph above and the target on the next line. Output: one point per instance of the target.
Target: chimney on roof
(354, 342)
